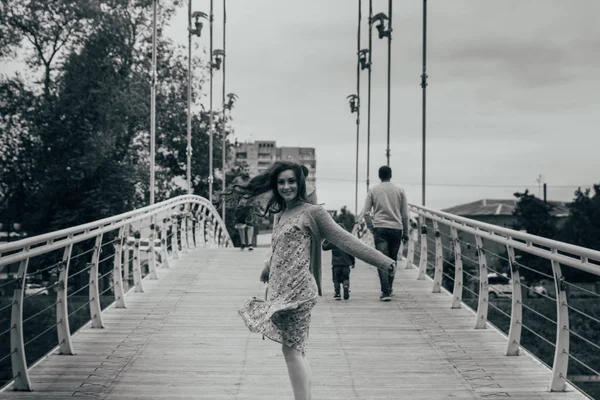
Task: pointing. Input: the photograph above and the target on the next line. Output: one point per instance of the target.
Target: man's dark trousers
(387, 241)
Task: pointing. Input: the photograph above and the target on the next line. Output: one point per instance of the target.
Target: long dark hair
(265, 184)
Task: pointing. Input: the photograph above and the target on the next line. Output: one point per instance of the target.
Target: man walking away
(388, 206)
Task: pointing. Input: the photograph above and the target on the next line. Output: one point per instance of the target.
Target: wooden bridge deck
(184, 339)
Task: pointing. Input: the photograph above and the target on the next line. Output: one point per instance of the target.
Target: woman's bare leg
(309, 377)
(299, 373)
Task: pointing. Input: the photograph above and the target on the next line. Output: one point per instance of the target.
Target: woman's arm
(330, 230)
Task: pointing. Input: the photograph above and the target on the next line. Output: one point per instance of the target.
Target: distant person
(340, 268)
(311, 191)
(244, 214)
(389, 220)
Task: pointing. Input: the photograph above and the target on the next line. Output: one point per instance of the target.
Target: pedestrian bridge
(144, 305)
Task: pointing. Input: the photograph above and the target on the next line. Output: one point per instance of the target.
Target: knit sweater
(316, 220)
(389, 205)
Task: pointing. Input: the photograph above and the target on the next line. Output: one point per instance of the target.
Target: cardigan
(320, 224)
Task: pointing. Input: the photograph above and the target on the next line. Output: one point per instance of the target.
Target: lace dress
(285, 315)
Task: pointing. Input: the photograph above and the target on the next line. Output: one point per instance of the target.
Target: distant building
(259, 156)
(301, 155)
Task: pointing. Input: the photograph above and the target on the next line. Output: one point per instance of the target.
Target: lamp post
(354, 102)
(216, 61)
(380, 18)
(210, 116)
(358, 68)
(196, 31)
(424, 87)
(224, 143)
(369, 65)
(153, 105)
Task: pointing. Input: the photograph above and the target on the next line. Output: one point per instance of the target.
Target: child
(340, 266)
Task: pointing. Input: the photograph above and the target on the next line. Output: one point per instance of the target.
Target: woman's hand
(392, 269)
(264, 276)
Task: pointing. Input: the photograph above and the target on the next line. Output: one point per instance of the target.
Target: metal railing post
(117, 274)
(458, 271)
(423, 255)
(94, 291)
(439, 260)
(163, 244)
(17, 343)
(516, 315)
(561, 352)
(137, 267)
(152, 273)
(189, 227)
(482, 303)
(183, 231)
(62, 309)
(412, 239)
(175, 235)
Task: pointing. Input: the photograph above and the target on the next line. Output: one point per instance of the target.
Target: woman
(298, 226)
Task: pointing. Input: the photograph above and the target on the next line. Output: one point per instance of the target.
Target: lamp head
(380, 18)
(197, 23)
(362, 59)
(218, 55)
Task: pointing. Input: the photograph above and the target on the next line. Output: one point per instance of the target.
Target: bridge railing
(483, 265)
(112, 252)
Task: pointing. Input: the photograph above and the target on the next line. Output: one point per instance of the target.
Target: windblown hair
(266, 184)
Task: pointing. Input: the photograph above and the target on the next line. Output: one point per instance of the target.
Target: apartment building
(260, 154)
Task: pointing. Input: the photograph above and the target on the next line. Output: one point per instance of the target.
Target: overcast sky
(513, 92)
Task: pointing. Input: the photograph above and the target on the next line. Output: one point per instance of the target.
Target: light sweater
(316, 220)
(389, 205)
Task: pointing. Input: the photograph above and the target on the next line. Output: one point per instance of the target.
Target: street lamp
(232, 97)
(424, 87)
(153, 104)
(369, 65)
(353, 102)
(218, 56)
(197, 30)
(360, 65)
(224, 139)
(362, 59)
(210, 116)
(380, 19)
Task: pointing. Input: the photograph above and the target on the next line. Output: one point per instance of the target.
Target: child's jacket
(339, 257)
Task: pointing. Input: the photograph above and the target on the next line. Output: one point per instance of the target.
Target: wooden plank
(184, 339)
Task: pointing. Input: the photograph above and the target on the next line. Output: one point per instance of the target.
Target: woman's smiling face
(287, 185)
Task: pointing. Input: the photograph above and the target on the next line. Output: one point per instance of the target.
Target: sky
(513, 92)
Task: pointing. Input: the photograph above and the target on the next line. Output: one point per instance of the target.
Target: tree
(79, 150)
(582, 227)
(534, 216)
(49, 28)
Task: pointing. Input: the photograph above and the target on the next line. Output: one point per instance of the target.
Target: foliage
(583, 225)
(74, 139)
(580, 228)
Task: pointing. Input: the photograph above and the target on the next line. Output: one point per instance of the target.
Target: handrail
(34, 240)
(582, 252)
(189, 217)
(92, 229)
(425, 229)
